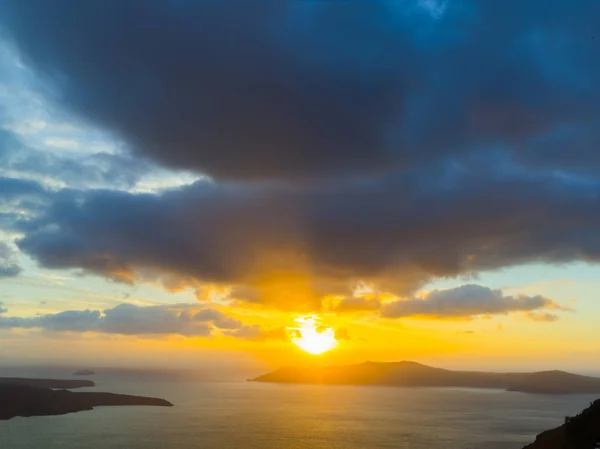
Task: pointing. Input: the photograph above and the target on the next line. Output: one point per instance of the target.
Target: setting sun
(312, 337)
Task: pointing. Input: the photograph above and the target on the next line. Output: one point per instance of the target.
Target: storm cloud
(388, 142)
(288, 89)
(398, 232)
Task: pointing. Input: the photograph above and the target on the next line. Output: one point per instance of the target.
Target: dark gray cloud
(470, 132)
(129, 319)
(13, 188)
(399, 232)
(470, 301)
(20, 198)
(125, 319)
(9, 266)
(80, 321)
(278, 88)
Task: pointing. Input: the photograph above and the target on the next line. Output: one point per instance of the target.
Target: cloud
(42, 141)
(128, 319)
(218, 319)
(92, 171)
(247, 332)
(10, 271)
(20, 200)
(37, 164)
(469, 301)
(14, 188)
(290, 246)
(258, 333)
(71, 320)
(283, 280)
(342, 334)
(8, 261)
(2, 308)
(357, 304)
(291, 89)
(39, 141)
(388, 142)
(542, 317)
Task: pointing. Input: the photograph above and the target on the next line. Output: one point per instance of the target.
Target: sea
(220, 415)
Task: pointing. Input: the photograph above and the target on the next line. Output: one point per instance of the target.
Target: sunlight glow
(312, 337)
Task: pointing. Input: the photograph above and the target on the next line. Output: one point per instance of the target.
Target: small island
(36, 397)
(411, 374)
(84, 372)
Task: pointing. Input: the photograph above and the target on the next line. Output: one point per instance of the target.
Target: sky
(187, 183)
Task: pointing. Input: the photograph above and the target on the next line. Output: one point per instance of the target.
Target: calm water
(252, 415)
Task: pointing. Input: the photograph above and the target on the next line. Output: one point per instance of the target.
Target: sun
(312, 337)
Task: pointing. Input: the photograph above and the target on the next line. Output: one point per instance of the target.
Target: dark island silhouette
(36, 397)
(84, 372)
(411, 374)
(578, 432)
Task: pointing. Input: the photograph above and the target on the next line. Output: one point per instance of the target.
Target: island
(35, 397)
(411, 374)
(84, 372)
(578, 432)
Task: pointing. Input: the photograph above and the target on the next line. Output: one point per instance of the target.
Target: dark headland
(578, 432)
(36, 397)
(411, 374)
